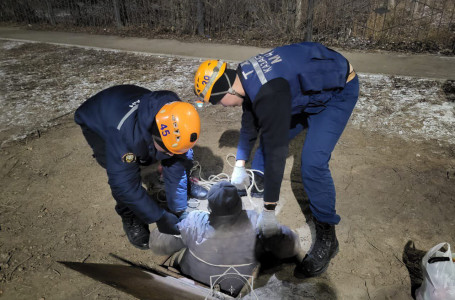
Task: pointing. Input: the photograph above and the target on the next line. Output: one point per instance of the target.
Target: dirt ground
(55, 204)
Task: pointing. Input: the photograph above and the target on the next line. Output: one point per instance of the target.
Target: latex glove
(267, 224)
(168, 224)
(240, 178)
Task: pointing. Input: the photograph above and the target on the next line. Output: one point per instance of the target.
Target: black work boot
(324, 249)
(197, 191)
(138, 232)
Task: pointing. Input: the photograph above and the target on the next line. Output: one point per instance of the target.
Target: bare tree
(118, 19)
(428, 23)
(200, 17)
(298, 15)
(309, 23)
(50, 13)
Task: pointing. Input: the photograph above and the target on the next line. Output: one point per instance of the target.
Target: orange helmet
(206, 76)
(179, 126)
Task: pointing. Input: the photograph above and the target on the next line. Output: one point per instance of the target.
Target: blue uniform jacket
(122, 116)
(313, 72)
(286, 81)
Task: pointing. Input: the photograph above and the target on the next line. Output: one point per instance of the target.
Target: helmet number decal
(163, 131)
(206, 79)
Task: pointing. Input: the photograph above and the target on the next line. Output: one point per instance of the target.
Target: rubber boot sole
(143, 247)
(302, 275)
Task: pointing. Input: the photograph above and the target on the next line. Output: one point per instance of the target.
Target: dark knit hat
(224, 199)
(222, 85)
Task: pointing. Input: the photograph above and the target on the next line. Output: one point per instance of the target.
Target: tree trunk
(309, 21)
(298, 15)
(118, 20)
(50, 13)
(200, 17)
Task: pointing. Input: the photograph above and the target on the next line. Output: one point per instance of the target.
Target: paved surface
(428, 66)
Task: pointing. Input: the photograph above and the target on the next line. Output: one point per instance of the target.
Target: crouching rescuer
(282, 92)
(128, 126)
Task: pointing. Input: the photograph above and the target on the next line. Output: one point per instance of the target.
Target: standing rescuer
(129, 126)
(282, 92)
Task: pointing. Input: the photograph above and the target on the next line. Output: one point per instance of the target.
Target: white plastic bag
(439, 275)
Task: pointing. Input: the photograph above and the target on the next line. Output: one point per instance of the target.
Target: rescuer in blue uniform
(128, 126)
(282, 92)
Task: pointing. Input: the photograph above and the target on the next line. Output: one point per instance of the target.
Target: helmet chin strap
(230, 90)
(159, 141)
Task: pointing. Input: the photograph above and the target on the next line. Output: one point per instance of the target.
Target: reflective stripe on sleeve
(126, 116)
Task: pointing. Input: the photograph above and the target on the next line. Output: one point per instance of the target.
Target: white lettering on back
(275, 59)
(246, 74)
(134, 103)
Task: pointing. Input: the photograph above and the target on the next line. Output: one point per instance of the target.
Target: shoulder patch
(129, 157)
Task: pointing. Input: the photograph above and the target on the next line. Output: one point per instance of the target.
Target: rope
(214, 265)
(214, 179)
(193, 203)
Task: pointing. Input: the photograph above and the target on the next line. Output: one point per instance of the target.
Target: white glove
(240, 178)
(267, 224)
